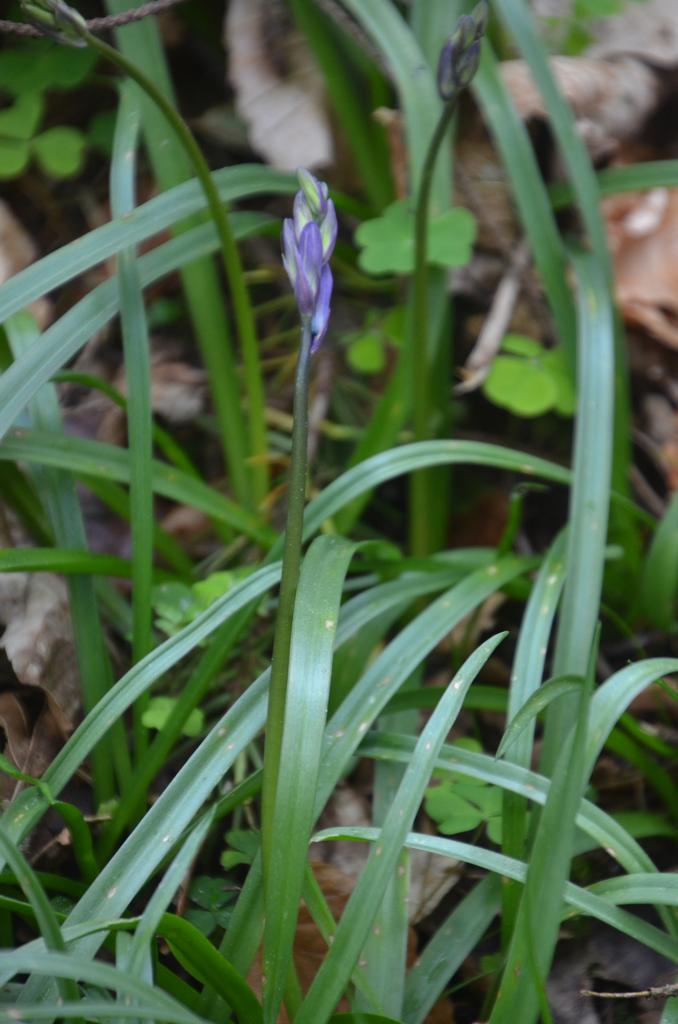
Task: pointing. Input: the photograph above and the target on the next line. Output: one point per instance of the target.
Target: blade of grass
(613, 180)
(399, 461)
(197, 955)
(589, 496)
(520, 22)
(364, 901)
(61, 502)
(613, 697)
(66, 336)
(316, 611)
(530, 194)
(148, 220)
(42, 908)
(192, 693)
(63, 560)
(601, 827)
(154, 910)
(175, 155)
(242, 937)
(399, 659)
(526, 676)
(659, 581)
(581, 899)
(137, 361)
(65, 965)
(421, 108)
(522, 990)
(95, 459)
(18, 491)
(450, 945)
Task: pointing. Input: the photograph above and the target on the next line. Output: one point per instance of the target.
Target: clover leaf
(387, 242)
(17, 124)
(530, 380)
(160, 708)
(40, 64)
(459, 805)
(60, 151)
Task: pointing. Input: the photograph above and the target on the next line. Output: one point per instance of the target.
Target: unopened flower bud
(460, 56)
(307, 243)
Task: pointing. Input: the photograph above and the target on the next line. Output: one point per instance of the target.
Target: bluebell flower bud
(460, 56)
(314, 191)
(308, 240)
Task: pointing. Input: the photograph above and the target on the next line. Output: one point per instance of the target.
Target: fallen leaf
(279, 92)
(178, 390)
(31, 747)
(38, 640)
(611, 100)
(310, 948)
(648, 30)
(643, 234)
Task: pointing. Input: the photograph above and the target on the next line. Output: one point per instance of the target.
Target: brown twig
(22, 28)
(654, 992)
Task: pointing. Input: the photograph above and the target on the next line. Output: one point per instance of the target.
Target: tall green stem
(288, 589)
(231, 258)
(419, 346)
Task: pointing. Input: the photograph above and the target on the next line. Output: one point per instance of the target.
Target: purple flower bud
(314, 191)
(321, 313)
(309, 268)
(308, 240)
(290, 255)
(328, 230)
(460, 56)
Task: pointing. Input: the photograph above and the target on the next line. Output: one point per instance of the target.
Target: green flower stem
(231, 258)
(288, 587)
(418, 352)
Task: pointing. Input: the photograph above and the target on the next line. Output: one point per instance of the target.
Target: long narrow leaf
(581, 899)
(364, 901)
(451, 944)
(96, 459)
(66, 336)
(155, 216)
(316, 610)
(138, 375)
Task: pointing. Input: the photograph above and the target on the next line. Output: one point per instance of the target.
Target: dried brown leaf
(643, 234)
(648, 30)
(279, 91)
(29, 747)
(610, 100)
(310, 948)
(38, 639)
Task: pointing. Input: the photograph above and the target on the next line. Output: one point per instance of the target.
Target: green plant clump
(226, 624)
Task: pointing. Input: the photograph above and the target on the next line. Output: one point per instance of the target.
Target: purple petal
(321, 313)
(311, 251)
(308, 268)
(290, 252)
(305, 291)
